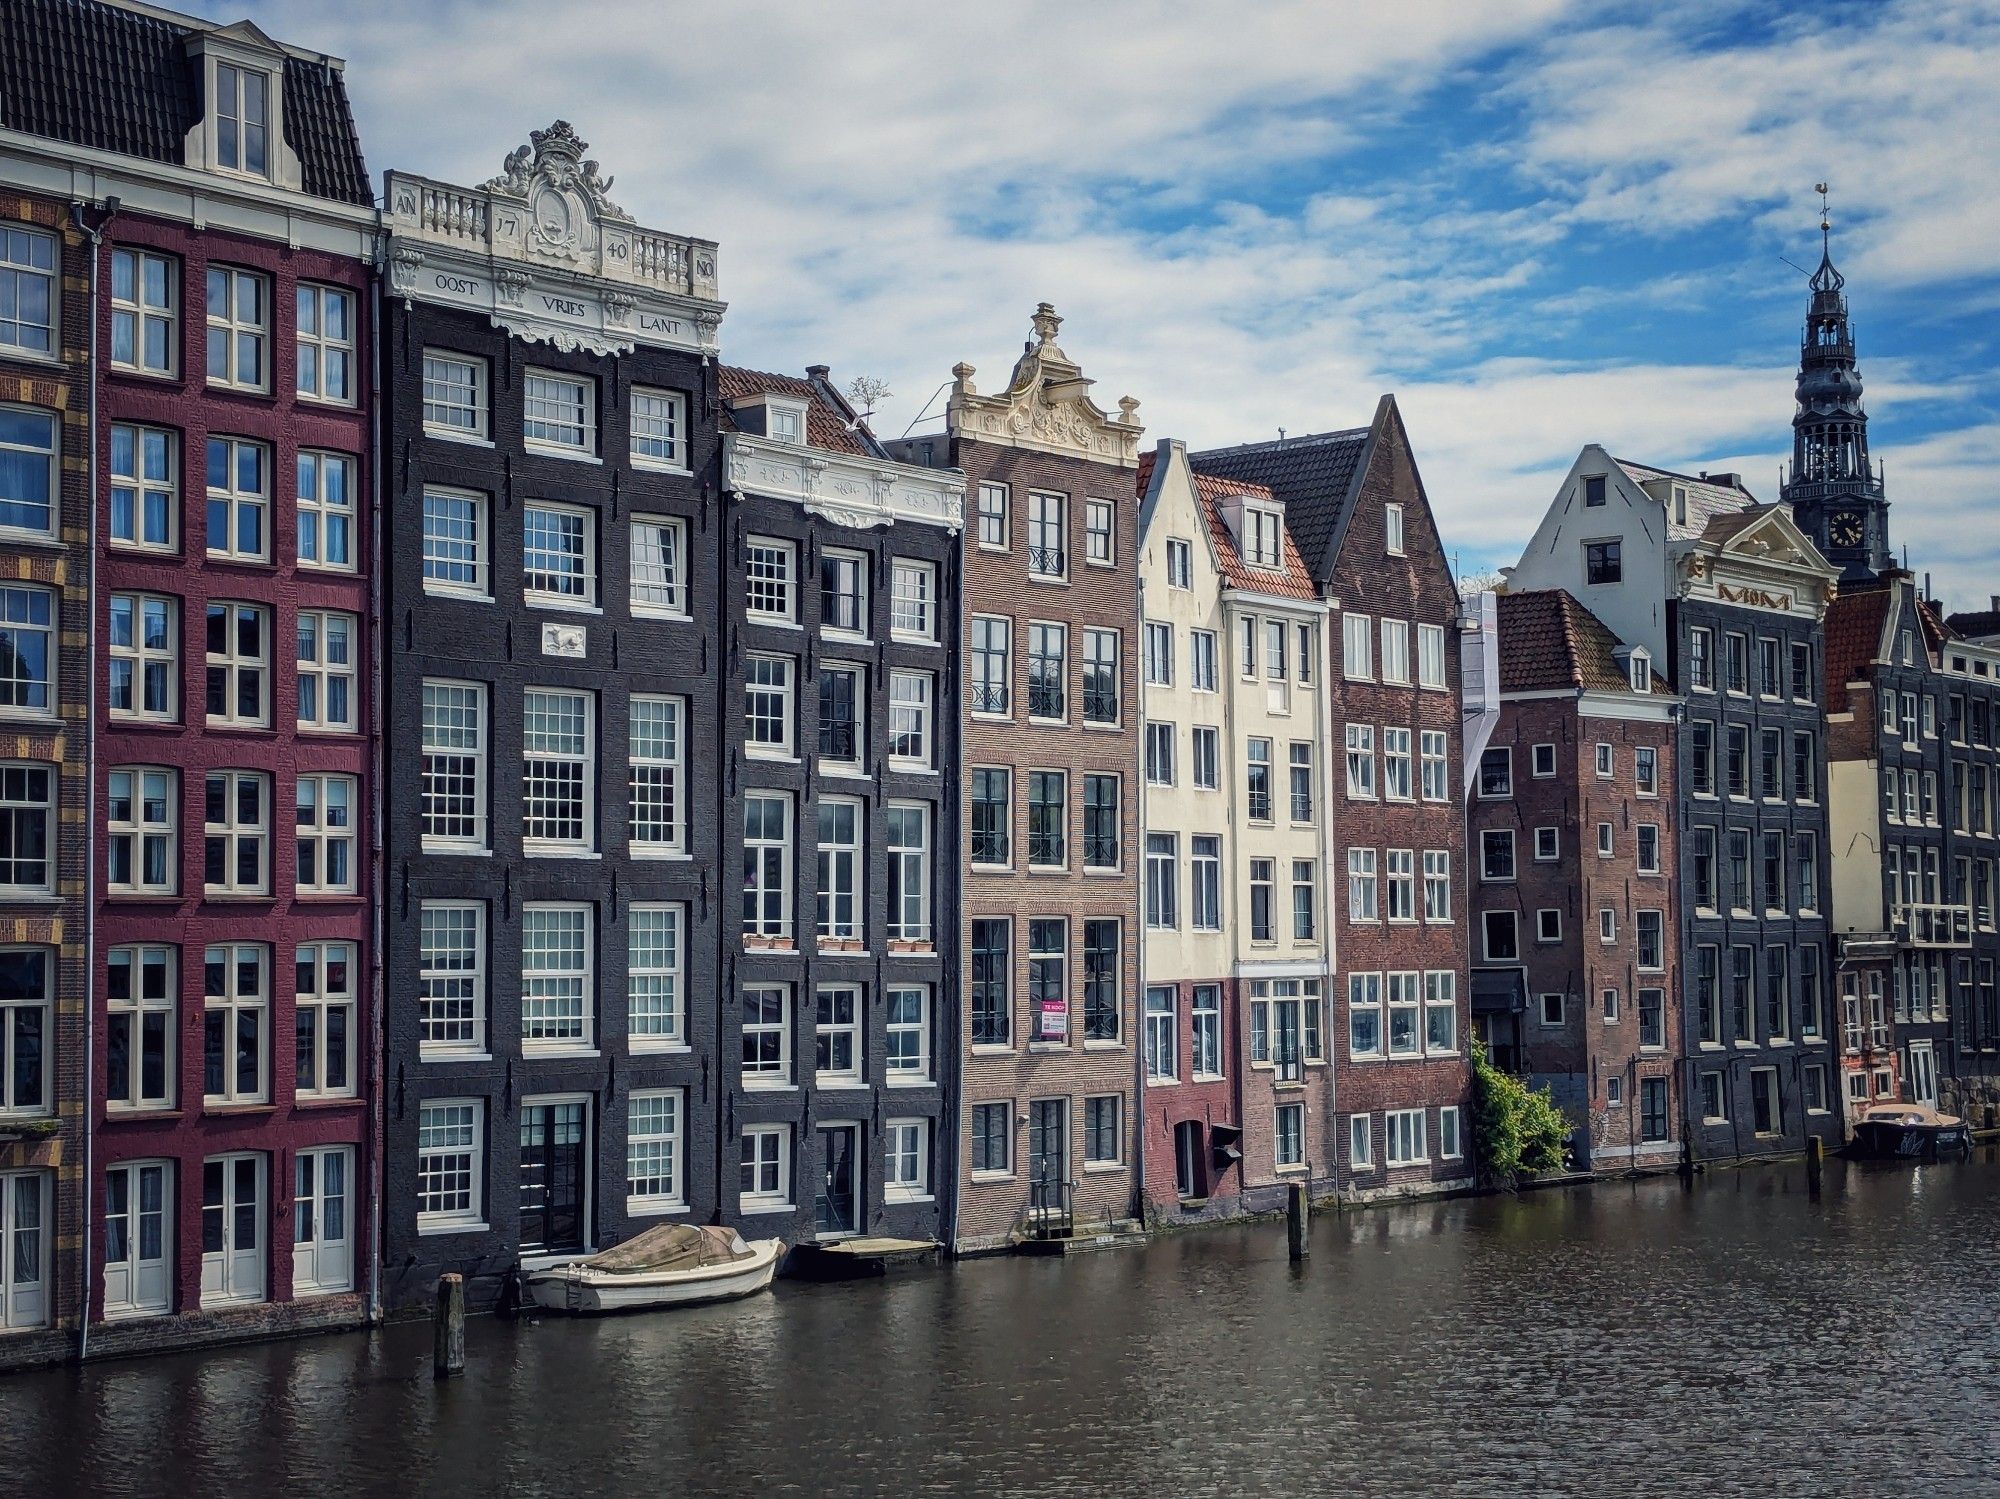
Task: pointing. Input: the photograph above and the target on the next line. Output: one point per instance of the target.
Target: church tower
(1835, 495)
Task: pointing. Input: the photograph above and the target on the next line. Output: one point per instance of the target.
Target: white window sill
(991, 1178)
(770, 621)
(1102, 1168)
(536, 1053)
(557, 851)
(846, 771)
(658, 615)
(840, 1084)
(659, 1048)
(756, 1087)
(893, 1198)
(1104, 1046)
(454, 1056)
(746, 1207)
(911, 767)
(432, 1230)
(550, 450)
(1048, 1046)
(459, 850)
(463, 439)
(993, 1049)
(553, 604)
(640, 1207)
(1163, 1082)
(463, 595)
(770, 754)
(659, 855)
(657, 466)
(913, 640)
(910, 1082)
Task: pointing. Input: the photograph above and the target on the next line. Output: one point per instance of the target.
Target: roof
(108, 78)
(1550, 642)
(1313, 477)
(1854, 622)
(1293, 582)
(1976, 626)
(827, 420)
(1706, 498)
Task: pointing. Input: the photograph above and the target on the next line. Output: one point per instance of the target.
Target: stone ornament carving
(848, 491)
(1046, 405)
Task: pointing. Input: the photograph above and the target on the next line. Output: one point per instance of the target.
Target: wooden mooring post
(1298, 1222)
(1815, 1164)
(448, 1328)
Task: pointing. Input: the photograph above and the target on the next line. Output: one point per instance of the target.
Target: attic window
(1680, 505)
(242, 120)
(1603, 562)
(1593, 490)
(1263, 538)
(1180, 563)
(1639, 671)
(784, 421)
(1392, 529)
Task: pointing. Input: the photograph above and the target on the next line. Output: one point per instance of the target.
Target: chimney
(1994, 600)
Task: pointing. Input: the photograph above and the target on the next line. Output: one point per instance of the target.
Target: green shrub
(1517, 1130)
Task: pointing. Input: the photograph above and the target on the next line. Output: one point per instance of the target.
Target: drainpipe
(96, 237)
(378, 763)
(1332, 752)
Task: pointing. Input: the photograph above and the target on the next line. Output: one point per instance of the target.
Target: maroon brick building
(1356, 505)
(1572, 840)
(230, 1037)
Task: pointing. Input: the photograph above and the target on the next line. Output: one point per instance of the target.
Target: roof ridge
(1281, 443)
(1674, 473)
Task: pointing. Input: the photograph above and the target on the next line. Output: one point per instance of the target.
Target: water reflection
(1626, 1336)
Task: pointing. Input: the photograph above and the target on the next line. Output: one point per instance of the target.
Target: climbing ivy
(1517, 1130)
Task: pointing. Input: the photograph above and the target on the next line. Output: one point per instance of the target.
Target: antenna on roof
(1281, 434)
(864, 393)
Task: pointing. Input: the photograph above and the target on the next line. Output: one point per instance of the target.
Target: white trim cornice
(844, 488)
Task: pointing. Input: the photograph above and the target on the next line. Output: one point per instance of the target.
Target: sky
(1540, 223)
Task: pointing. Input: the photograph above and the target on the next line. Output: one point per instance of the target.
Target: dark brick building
(1572, 837)
(837, 1048)
(551, 653)
(1356, 506)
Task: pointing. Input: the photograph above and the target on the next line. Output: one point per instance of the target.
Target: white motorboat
(675, 1264)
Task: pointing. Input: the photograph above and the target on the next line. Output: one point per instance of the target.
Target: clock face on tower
(1844, 529)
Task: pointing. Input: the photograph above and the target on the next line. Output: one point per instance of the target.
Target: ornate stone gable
(549, 256)
(1767, 564)
(1046, 406)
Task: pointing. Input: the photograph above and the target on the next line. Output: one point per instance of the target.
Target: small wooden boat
(674, 1264)
(1909, 1132)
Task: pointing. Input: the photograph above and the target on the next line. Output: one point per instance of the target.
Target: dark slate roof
(1549, 642)
(1976, 626)
(1310, 476)
(111, 79)
(826, 420)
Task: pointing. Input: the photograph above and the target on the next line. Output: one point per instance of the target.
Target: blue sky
(1540, 223)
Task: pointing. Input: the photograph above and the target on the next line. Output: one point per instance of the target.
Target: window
(1160, 754)
(139, 819)
(906, 1172)
(653, 747)
(1701, 759)
(453, 798)
(1397, 785)
(1364, 1014)
(140, 989)
(1301, 770)
(454, 395)
(1603, 762)
(1548, 924)
(1103, 1129)
(1604, 840)
(1395, 650)
(1162, 881)
(1048, 982)
(239, 328)
(1496, 854)
(242, 120)
(1048, 555)
(1736, 664)
(145, 488)
(1450, 1147)
(1357, 647)
(1649, 848)
(28, 296)
(1646, 771)
(27, 1032)
(1434, 764)
(324, 1020)
(1593, 491)
(1404, 1129)
(1430, 656)
(1736, 764)
(653, 969)
(992, 817)
(1362, 885)
(232, 1229)
(1603, 562)
(28, 452)
(767, 867)
(1205, 861)
(1437, 884)
(909, 873)
(1652, 941)
(138, 1219)
(1098, 538)
(1305, 900)
(451, 977)
(1614, 1087)
(450, 1163)
(843, 698)
(1360, 1142)
(1258, 780)
(992, 982)
(1180, 563)
(237, 828)
(326, 672)
(910, 720)
(325, 334)
(1553, 1009)
(1806, 857)
(767, 705)
(913, 601)
(1159, 653)
(1288, 1145)
(1400, 884)
(836, 1035)
(455, 543)
(557, 766)
(1770, 669)
(1048, 671)
(993, 528)
(27, 649)
(1496, 772)
(1502, 937)
(235, 1001)
(1263, 538)
(764, 1184)
(1548, 845)
(1714, 1099)
(1392, 529)
(843, 592)
(239, 498)
(324, 835)
(558, 554)
(1804, 678)
(1652, 1019)
(659, 428)
(1403, 1011)
(1201, 660)
(1101, 980)
(659, 566)
(238, 666)
(556, 977)
(992, 643)
(1048, 795)
(559, 412)
(653, 1146)
(992, 1138)
(1805, 767)
(1205, 741)
(1607, 924)
(1361, 761)
(908, 1055)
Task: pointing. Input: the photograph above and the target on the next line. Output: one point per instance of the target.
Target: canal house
(1726, 597)
(1573, 846)
(1048, 763)
(552, 654)
(1236, 1091)
(837, 1042)
(1354, 504)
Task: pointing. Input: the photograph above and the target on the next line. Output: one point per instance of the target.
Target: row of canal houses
(483, 776)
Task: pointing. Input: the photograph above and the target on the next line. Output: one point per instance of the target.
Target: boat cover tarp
(672, 1246)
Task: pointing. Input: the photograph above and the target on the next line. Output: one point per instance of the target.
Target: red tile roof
(825, 426)
(1550, 642)
(1292, 582)
(1854, 623)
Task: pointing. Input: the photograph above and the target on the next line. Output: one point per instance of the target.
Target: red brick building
(1572, 845)
(1356, 505)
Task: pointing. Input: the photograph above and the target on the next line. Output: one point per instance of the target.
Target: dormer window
(785, 420)
(1639, 671)
(242, 120)
(1680, 505)
(1263, 537)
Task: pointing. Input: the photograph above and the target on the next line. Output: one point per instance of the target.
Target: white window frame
(327, 515)
(451, 979)
(451, 1144)
(907, 1057)
(453, 553)
(329, 351)
(326, 820)
(773, 1065)
(771, 581)
(322, 1262)
(553, 766)
(234, 1004)
(234, 333)
(320, 672)
(658, 582)
(659, 429)
(461, 750)
(770, 695)
(236, 833)
(128, 1011)
(909, 871)
(235, 664)
(441, 405)
(558, 983)
(911, 725)
(320, 968)
(1408, 1140)
(913, 601)
(906, 1164)
(767, 1146)
(145, 478)
(834, 1024)
(549, 583)
(135, 312)
(773, 875)
(1095, 511)
(28, 1023)
(238, 1272)
(238, 503)
(656, 776)
(656, 976)
(655, 1151)
(147, 787)
(543, 388)
(137, 1284)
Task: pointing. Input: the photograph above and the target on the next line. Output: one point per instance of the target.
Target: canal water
(1625, 1338)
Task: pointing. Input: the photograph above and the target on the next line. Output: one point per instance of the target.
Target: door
(836, 1204)
(555, 1169)
(1764, 1108)
(1923, 1073)
(24, 1249)
(322, 1245)
(1048, 1154)
(1188, 1159)
(135, 1239)
(232, 1229)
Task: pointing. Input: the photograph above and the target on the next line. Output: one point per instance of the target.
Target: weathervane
(1825, 221)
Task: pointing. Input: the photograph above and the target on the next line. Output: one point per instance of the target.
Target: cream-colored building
(1235, 1013)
